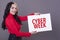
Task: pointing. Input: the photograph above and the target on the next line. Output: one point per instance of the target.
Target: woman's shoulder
(9, 18)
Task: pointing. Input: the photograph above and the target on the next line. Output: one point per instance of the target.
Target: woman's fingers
(34, 32)
(37, 13)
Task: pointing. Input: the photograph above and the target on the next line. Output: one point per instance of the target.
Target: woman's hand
(37, 13)
(34, 32)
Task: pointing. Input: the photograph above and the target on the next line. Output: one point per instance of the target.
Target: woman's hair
(6, 12)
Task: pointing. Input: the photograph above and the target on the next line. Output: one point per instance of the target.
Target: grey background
(28, 6)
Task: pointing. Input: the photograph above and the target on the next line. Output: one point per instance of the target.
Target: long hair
(6, 12)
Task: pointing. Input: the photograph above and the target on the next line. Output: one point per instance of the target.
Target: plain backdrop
(26, 7)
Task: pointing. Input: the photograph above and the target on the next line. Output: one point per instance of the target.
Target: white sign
(39, 23)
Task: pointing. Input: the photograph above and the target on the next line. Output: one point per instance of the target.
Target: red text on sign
(39, 23)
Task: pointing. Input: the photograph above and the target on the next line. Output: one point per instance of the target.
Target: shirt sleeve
(24, 18)
(11, 25)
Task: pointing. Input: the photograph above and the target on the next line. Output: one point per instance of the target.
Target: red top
(14, 28)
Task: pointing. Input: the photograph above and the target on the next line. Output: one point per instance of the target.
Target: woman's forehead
(14, 5)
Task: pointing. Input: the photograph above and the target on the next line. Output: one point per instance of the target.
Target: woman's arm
(24, 18)
(12, 28)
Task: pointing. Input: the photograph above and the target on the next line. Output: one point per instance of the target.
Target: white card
(39, 23)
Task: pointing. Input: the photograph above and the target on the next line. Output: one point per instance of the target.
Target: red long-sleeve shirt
(14, 28)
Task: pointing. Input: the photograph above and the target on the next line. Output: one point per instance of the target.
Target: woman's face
(13, 9)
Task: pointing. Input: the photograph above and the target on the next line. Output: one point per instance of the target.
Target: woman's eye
(16, 8)
(12, 7)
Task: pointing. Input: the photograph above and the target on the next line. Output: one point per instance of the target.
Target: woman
(12, 22)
